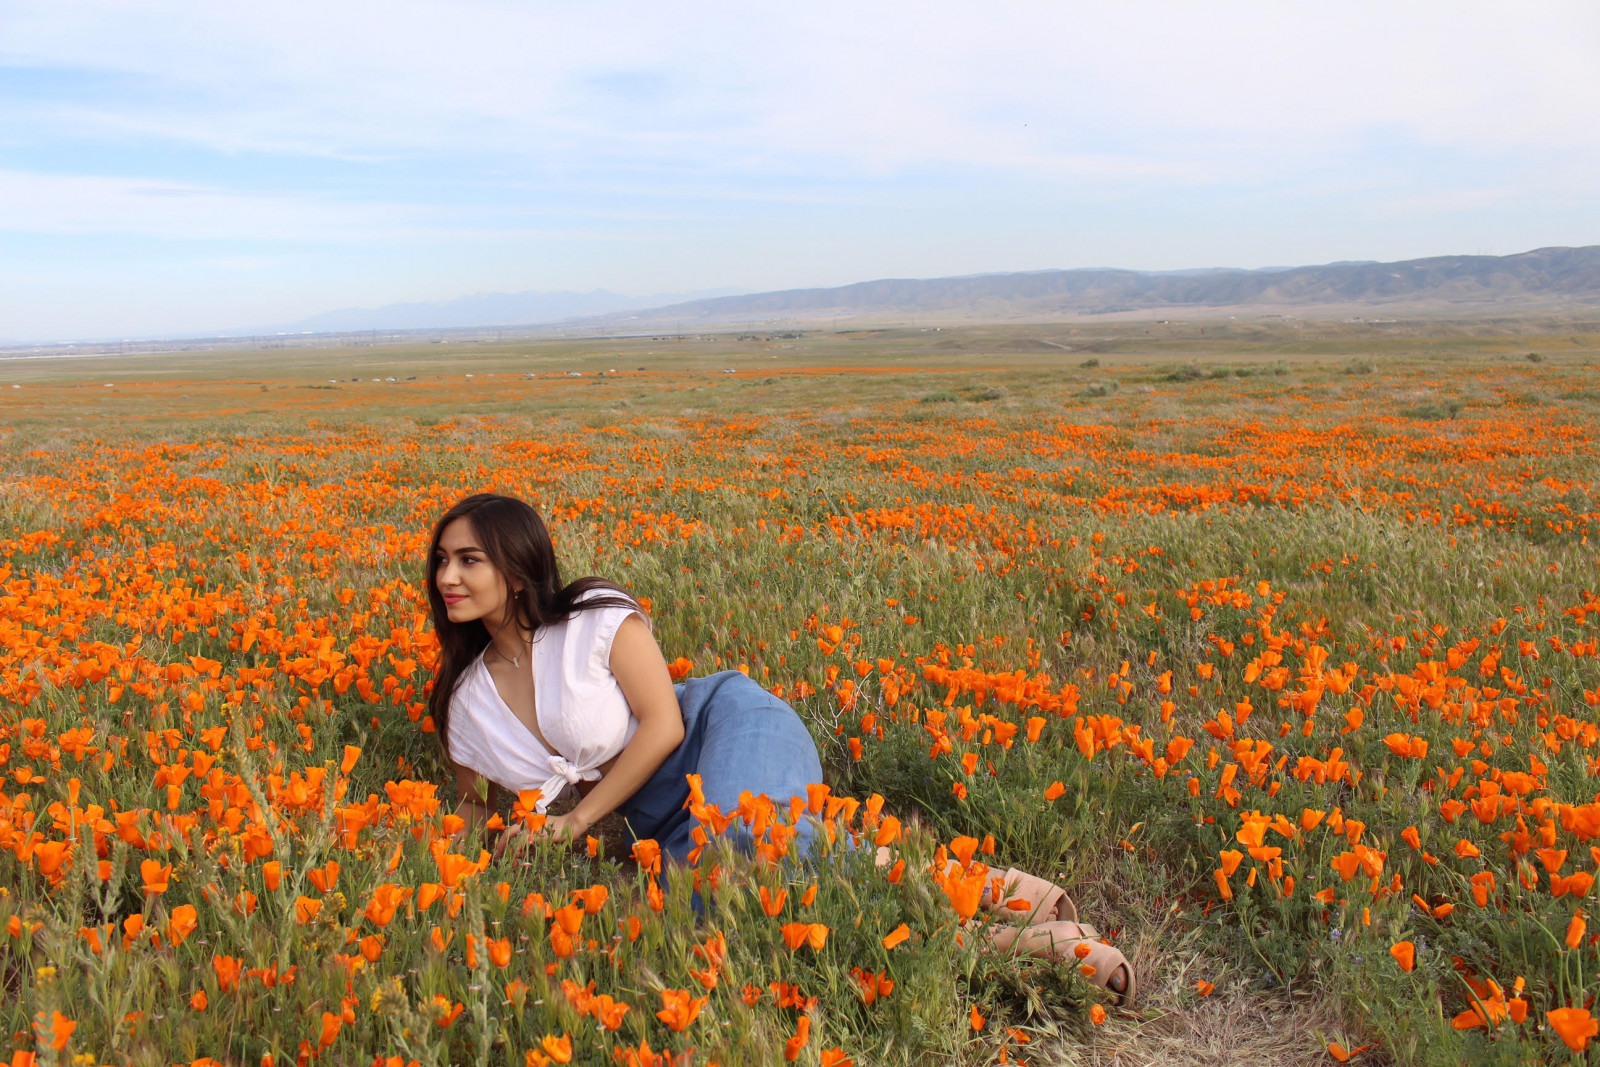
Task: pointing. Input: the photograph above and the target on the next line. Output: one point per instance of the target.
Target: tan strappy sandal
(1103, 965)
(1029, 900)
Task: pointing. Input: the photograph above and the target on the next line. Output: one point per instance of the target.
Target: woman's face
(471, 586)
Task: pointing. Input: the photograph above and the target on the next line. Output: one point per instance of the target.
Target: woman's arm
(641, 671)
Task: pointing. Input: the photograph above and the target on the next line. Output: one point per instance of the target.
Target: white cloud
(164, 155)
(77, 205)
(1084, 87)
(72, 204)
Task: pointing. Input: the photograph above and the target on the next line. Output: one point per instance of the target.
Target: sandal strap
(1046, 901)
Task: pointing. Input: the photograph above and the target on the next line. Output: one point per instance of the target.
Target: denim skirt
(737, 737)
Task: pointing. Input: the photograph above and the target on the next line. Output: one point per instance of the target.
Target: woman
(542, 685)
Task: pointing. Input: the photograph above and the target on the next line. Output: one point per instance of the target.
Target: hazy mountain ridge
(1556, 278)
(489, 309)
(1542, 277)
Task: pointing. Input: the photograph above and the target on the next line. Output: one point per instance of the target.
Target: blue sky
(182, 167)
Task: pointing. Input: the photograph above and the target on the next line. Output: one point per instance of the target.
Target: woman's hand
(513, 839)
(565, 828)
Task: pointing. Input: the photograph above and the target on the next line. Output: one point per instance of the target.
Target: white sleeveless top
(577, 702)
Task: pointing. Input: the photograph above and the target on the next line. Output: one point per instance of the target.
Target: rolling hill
(1546, 279)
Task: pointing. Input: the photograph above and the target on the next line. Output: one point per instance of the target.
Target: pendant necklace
(516, 661)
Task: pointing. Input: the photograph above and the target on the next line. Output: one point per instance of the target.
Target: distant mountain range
(1555, 280)
(1544, 279)
(488, 309)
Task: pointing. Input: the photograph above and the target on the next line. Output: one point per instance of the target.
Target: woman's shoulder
(619, 598)
(594, 611)
(610, 609)
(586, 635)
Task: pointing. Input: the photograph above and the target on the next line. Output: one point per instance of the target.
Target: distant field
(1051, 346)
(1278, 646)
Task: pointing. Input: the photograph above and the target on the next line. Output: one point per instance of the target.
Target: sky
(188, 167)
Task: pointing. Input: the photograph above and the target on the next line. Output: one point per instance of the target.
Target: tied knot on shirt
(572, 774)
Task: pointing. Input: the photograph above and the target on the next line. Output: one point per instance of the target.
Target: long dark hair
(516, 542)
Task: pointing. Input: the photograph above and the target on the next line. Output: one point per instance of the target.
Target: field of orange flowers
(1296, 672)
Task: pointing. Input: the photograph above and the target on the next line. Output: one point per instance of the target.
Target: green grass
(1038, 492)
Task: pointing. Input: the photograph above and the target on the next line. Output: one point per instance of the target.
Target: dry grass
(1248, 1019)
(1239, 1029)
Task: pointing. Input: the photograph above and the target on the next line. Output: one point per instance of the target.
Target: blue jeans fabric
(737, 736)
